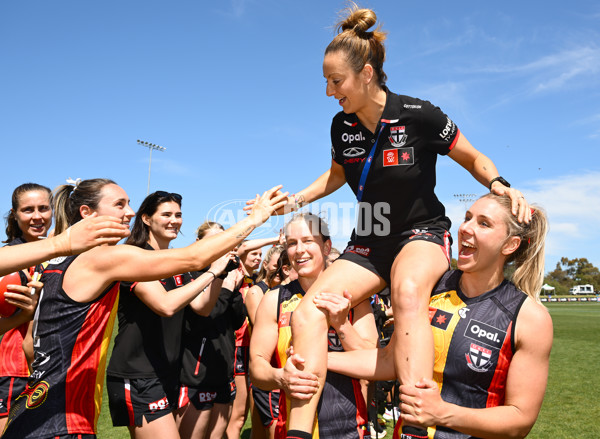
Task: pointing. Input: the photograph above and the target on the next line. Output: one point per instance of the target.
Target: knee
(409, 297)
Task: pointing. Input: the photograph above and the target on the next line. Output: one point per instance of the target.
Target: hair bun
(359, 20)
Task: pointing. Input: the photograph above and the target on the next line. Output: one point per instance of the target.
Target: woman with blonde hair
(492, 335)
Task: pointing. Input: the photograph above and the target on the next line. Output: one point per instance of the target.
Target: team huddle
(206, 331)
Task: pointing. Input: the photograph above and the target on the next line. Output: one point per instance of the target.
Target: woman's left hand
(21, 297)
(335, 307)
(520, 207)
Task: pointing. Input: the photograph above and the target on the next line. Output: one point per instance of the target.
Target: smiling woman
(75, 315)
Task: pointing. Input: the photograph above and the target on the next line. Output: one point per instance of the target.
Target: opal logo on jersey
(353, 151)
(349, 138)
(485, 334)
(398, 136)
(448, 130)
(478, 358)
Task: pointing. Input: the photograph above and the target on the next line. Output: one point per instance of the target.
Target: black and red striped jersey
(71, 340)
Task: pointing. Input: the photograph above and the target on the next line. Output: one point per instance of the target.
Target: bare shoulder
(534, 325)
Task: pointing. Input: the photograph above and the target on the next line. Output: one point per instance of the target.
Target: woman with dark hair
(75, 315)
(143, 372)
(385, 146)
(28, 220)
(492, 335)
(207, 387)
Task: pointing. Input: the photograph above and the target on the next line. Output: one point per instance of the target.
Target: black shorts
(204, 398)
(267, 404)
(377, 255)
(10, 389)
(131, 400)
(241, 361)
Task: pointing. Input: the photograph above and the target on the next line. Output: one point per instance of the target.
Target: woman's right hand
(90, 232)
(218, 266)
(296, 383)
(281, 201)
(21, 297)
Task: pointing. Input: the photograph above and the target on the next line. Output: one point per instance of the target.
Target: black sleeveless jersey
(341, 412)
(147, 345)
(399, 190)
(474, 344)
(71, 341)
(209, 342)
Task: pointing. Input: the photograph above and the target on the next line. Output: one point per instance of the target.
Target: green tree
(570, 272)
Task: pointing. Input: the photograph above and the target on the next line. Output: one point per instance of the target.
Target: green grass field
(571, 407)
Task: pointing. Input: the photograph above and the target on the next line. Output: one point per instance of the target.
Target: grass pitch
(571, 408)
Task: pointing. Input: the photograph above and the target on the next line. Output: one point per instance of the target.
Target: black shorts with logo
(377, 255)
(267, 404)
(205, 398)
(10, 389)
(240, 366)
(131, 400)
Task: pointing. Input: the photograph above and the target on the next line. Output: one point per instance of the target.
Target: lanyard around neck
(367, 166)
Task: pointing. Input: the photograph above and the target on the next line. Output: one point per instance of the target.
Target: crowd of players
(470, 347)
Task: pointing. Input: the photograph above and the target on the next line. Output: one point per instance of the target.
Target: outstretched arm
(329, 182)
(484, 170)
(92, 272)
(78, 238)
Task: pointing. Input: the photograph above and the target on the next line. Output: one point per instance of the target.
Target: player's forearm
(503, 422)
(263, 375)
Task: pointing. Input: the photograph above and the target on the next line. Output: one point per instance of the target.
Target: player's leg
(415, 272)
(309, 328)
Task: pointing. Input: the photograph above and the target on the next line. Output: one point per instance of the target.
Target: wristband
(214, 275)
(501, 180)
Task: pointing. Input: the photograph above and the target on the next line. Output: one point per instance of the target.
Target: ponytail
(68, 199)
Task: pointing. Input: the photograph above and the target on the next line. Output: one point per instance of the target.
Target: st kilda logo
(398, 136)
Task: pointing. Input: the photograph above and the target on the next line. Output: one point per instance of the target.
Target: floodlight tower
(150, 146)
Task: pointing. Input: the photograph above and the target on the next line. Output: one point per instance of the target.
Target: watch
(501, 180)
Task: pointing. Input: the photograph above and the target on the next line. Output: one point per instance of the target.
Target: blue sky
(234, 90)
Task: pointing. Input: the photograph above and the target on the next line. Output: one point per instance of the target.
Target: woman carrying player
(385, 146)
(492, 336)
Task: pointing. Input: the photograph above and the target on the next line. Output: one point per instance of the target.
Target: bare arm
(525, 387)
(93, 271)
(329, 182)
(82, 236)
(370, 364)
(297, 384)
(484, 170)
(253, 299)
(255, 244)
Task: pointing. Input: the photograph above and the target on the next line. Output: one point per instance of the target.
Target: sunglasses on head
(173, 195)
